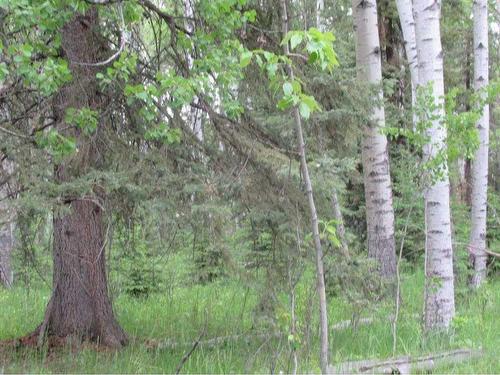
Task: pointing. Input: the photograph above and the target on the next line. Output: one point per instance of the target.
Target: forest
(250, 186)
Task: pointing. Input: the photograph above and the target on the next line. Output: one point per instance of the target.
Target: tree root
(39, 339)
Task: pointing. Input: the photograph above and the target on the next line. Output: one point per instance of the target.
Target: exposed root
(38, 339)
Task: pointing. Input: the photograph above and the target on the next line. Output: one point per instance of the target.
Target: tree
(80, 306)
(477, 243)
(405, 12)
(376, 171)
(320, 274)
(6, 226)
(439, 300)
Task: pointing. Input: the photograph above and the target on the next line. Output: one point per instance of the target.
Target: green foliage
(84, 119)
(224, 309)
(142, 273)
(55, 144)
(318, 46)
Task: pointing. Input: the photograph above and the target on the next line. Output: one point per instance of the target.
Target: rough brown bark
(80, 307)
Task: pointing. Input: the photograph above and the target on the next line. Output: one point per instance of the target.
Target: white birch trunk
(480, 162)
(439, 301)
(320, 275)
(377, 180)
(320, 7)
(405, 11)
(195, 115)
(6, 228)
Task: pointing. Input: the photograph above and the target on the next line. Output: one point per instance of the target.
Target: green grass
(227, 308)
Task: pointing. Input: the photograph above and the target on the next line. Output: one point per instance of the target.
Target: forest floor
(226, 308)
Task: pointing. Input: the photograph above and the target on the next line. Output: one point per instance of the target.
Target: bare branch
(168, 18)
(123, 39)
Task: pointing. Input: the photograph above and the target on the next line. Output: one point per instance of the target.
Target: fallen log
(405, 364)
(170, 344)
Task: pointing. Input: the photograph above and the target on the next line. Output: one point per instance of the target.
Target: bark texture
(80, 307)
(439, 301)
(320, 7)
(477, 244)
(194, 114)
(6, 227)
(377, 179)
(405, 12)
(320, 274)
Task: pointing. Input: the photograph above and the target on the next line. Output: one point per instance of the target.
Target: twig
(10, 132)
(188, 354)
(302, 57)
(123, 38)
(471, 249)
(169, 19)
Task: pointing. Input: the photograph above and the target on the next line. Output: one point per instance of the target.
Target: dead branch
(405, 364)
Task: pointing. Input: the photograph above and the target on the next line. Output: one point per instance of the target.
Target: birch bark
(194, 114)
(477, 243)
(376, 172)
(439, 300)
(320, 7)
(6, 227)
(405, 12)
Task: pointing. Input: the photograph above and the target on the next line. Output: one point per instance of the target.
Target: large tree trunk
(377, 179)
(405, 11)
(477, 244)
(320, 274)
(80, 307)
(439, 301)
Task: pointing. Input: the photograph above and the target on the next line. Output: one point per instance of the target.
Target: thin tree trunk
(464, 188)
(376, 172)
(337, 215)
(439, 301)
(477, 245)
(323, 315)
(195, 115)
(6, 227)
(80, 307)
(320, 7)
(408, 27)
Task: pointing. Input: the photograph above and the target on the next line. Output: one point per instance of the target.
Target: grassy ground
(226, 308)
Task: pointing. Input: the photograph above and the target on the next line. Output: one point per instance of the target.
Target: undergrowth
(226, 308)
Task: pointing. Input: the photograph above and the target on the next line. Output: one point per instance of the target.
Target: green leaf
(311, 102)
(287, 88)
(304, 110)
(245, 58)
(295, 40)
(272, 68)
(297, 89)
(4, 72)
(284, 104)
